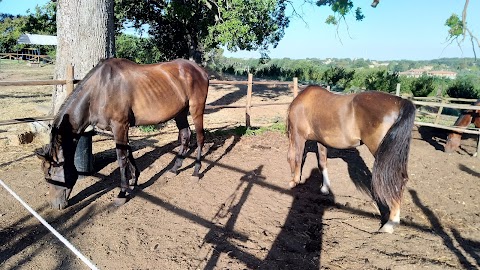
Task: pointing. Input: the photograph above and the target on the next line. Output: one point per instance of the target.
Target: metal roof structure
(37, 39)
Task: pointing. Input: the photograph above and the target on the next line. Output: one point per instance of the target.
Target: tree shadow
(469, 246)
(440, 230)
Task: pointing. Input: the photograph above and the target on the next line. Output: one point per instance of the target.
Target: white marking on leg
(326, 183)
(396, 218)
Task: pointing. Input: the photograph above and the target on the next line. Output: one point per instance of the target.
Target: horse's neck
(73, 115)
(465, 119)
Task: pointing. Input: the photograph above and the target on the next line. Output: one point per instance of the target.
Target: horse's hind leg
(393, 218)
(184, 135)
(295, 157)
(322, 165)
(197, 116)
(133, 168)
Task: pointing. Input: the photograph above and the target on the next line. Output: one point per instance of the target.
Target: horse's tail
(390, 167)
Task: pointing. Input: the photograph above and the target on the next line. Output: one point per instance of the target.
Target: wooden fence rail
(250, 82)
(69, 82)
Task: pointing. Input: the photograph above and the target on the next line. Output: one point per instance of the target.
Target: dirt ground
(241, 213)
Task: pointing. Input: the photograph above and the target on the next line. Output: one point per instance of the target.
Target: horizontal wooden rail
(40, 82)
(446, 99)
(254, 82)
(446, 105)
(25, 120)
(452, 128)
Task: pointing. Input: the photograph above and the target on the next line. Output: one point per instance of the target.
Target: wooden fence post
(295, 87)
(249, 100)
(69, 79)
(439, 112)
(397, 92)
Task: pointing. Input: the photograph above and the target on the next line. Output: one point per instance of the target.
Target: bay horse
(466, 118)
(381, 121)
(115, 95)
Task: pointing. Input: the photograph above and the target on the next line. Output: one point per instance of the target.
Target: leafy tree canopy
(183, 28)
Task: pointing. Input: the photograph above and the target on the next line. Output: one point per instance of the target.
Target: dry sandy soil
(240, 214)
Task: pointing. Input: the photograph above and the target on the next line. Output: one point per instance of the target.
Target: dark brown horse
(381, 121)
(465, 119)
(118, 94)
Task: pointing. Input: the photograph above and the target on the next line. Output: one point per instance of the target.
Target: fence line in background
(70, 81)
(418, 101)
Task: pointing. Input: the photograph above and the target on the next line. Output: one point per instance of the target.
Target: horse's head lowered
(59, 170)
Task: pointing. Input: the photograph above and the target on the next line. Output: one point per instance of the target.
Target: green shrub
(422, 86)
(463, 88)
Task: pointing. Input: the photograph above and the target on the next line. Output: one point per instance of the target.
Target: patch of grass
(148, 128)
(251, 131)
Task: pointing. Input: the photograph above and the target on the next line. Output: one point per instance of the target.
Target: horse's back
(343, 121)
(320, 115)
(149, 94)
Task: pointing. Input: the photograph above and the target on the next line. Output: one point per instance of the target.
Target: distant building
(378, 64)
(416, 73)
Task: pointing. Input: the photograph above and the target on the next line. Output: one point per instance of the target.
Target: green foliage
(137, 49)
(455, 26)
(463, 87)
(422, 86)
(148, 128)
(41, 21)
(188, 29)
(340, 9)
(334, 76)
(382, 81)
(252, 131)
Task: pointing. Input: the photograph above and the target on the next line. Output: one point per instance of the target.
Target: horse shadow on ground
(433, 136)
(26, 236)
(112, 181)
(470, 247)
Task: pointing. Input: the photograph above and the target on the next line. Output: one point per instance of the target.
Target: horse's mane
(58, 118)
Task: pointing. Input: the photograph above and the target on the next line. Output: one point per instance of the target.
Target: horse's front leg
(322, 165)
(296, 157)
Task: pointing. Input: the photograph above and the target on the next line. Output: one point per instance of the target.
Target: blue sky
(408, 29)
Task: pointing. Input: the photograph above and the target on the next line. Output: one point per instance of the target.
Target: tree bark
(85, 34)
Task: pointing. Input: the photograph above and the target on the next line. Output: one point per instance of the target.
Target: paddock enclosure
(241, 213)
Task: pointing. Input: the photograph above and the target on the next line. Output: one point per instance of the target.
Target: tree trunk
(85, 34)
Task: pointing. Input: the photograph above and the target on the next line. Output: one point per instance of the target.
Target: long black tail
(389, 174)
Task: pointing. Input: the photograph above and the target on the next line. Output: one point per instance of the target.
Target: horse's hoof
(386, 228)
(292, 184)
(324, 190)
(195, 177)
(119, 201)
(132, 183)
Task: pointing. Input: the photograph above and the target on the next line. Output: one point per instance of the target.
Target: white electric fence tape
(57, 234)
